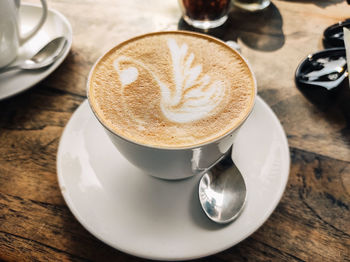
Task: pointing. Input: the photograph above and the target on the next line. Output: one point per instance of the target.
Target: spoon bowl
(222, 191)
(46, 56)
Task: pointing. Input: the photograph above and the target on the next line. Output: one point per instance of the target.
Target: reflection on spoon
(45, 57)
(222, 191)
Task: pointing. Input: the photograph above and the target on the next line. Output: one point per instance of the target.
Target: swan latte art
(171, 89)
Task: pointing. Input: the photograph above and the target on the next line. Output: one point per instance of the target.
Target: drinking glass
(205, 14)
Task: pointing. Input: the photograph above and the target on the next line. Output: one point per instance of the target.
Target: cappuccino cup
(172, 102)
(10, 36)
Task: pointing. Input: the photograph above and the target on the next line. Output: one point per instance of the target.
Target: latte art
(191, 97)
(194, 96)
(171, 89)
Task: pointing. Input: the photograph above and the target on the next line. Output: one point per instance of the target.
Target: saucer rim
(272, 206)
(48, 71)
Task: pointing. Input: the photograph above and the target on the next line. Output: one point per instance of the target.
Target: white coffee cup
(174, 163)
(10, 36)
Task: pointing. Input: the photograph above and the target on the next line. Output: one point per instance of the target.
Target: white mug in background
(10, 36)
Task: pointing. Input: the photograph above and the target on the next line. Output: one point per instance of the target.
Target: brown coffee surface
(171, 89)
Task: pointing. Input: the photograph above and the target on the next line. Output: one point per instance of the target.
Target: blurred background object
(252, 5)
(205, 14)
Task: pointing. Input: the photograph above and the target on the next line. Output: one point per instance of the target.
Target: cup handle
(31, 33)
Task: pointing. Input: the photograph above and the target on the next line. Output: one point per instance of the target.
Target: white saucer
(56, 25)
(157, 219)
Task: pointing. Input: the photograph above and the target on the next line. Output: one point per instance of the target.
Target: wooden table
(312, 221)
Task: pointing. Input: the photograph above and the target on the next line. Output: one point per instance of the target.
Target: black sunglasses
(321, 75)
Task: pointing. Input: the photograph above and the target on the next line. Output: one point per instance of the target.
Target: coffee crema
(171, 89)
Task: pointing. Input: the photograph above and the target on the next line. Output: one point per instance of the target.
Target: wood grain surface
(312, 221)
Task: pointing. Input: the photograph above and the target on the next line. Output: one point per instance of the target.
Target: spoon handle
(9, 68)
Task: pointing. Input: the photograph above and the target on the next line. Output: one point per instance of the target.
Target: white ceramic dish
(158, 219)
(12, 83)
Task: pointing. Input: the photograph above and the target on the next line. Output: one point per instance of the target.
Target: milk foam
(191, 97)
(171, 89)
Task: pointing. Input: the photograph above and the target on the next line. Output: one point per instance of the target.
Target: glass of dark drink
(205, 14)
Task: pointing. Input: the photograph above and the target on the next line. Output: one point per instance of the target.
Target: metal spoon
(222, 191)
(43, 58)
